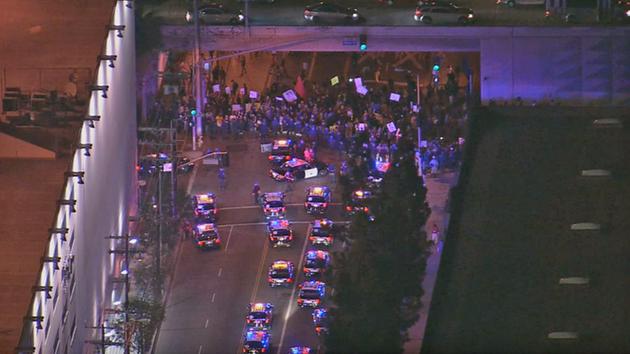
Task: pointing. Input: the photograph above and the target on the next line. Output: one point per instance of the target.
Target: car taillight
(289, 280)
(300, 301)
(305, 270)
(306, 205)
(270, 157)
(284, 209)
(138, 168)
(263, 350)
(249, 320)
(287, 157)
(217, 240)
(215, 211)
(349, 208)
(547, 13)
(270, 279)
(312, 238)
(273, 238)
(418, 12)
(325, 205)
(366, 209)
(329, 238)
(317, 301)
(200, 243)
(290, 237)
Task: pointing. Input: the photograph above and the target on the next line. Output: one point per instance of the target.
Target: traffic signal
(362, 42)
(436, 67)
(193, 112)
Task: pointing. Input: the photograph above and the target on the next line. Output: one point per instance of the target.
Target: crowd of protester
(331, 114)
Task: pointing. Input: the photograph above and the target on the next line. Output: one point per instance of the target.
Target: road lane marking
(213, 295)
(207, 321)
(220, 271)
(292, 298)
(252, 298)
(227, 243)
(292, 222)
(243, 207)
(192, 179)
(200, 349)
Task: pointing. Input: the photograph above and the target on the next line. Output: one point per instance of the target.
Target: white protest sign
(216, 88)
(228, 90)
(236, 107)
(358, 82)
(361, 127)
(415, 108)
(362, 90)
(391, 127)
(253, 95)
(394, 97)
(424, 143)
(242, 90)
(334, 81)
(278, 98)
(289, 95)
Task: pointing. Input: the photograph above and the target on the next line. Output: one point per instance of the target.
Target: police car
(273, 205)
(359, 202)
(311, 294)
(148, 165)
(206, 236)
(281, 273)
(205, 207)
(321, 232)
(280, 233)
(315, 262)
(299, 169)
(317, 199)
(281, 151)
(300, 350)
(260, 315)
(320, 320)
(256, 341)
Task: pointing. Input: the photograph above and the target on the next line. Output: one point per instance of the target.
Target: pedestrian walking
(435, 235)
(221, 176)
(256, 193)
(243, 65)
(288, 177)
(434, 164)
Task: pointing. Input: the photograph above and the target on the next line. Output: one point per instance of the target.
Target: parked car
(440, 13)
(330, 12)
(217, 14)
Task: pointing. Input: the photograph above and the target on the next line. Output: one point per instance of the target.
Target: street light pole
(197, 77)
(158, 244)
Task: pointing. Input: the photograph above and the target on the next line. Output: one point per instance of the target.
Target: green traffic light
(193, 112)
(363, 47)
(436, 67)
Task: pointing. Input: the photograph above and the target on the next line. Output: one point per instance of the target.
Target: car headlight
(241, 17)
(355, 15)
(471, 16)
(188, 16)
(628, 13)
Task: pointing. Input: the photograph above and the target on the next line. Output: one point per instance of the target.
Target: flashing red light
(306, 205)
(263, 350)
(300, 301)
(366, 209)
(349, 208)
(270, 279)
(200, 243)
(284, 209)
(418, 12)
(317, 301)
(547, 13)
(325, 205)
(270, 157)
(305, 270)
(273, 238)
(287, 157)
(329, 238)
(289, 280)
(217, 240)
(312, 238)
(137, 168)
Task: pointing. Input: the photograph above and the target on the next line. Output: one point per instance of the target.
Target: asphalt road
(206, 308)
(290, 13)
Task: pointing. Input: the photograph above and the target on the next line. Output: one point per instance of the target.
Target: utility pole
(158, 244)
(174, 161)
(197, 77)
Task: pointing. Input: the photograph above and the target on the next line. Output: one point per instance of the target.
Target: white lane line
(200, 349)
(255, 290)
(227, 243)
(220, 271)
(207, 320)
(292, 298)
(242, 207)
(192, 179)
(213, 295)
(292, 222)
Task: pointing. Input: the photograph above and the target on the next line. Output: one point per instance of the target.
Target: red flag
(299, 87)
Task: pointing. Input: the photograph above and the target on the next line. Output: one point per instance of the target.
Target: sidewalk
(437, 195)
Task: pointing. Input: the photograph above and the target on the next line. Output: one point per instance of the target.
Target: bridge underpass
(577, 65)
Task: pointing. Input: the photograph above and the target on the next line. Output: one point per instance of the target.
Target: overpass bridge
(578, 65)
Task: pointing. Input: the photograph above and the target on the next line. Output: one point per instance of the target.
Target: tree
(378, 280)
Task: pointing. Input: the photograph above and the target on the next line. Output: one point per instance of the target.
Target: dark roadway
(206, 308)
